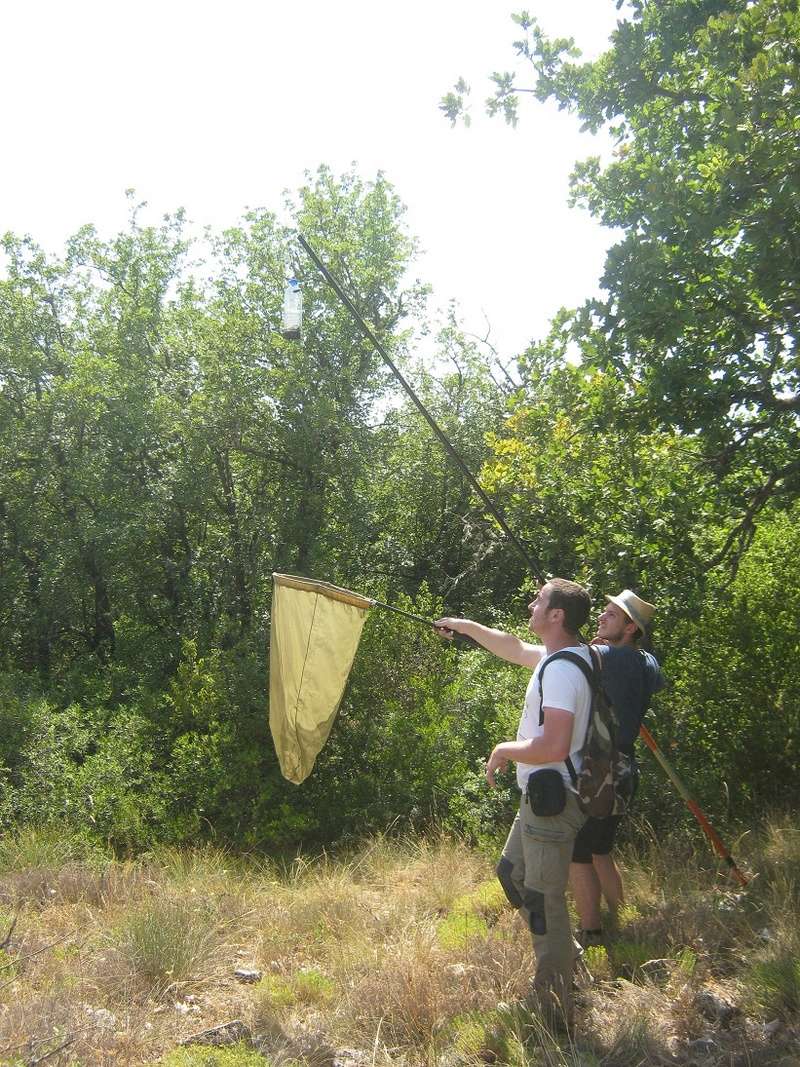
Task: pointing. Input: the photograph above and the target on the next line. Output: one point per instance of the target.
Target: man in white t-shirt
(534, 867)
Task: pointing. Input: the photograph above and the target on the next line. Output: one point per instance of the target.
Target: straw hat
(637, 610)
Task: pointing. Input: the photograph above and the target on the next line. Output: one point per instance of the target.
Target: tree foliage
(699, 320)
(163, 450)
(608, 505)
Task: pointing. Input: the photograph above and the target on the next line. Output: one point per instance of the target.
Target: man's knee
(530, 900)
(537, 917)
(505, 875)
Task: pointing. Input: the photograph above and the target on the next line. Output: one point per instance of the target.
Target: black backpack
(604, 783)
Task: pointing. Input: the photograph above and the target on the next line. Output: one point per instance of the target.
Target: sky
(219, 107)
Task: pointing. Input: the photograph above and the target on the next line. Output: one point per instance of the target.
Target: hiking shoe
(545, 1006)
(588, 938)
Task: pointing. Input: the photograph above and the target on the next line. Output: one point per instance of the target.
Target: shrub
(164, 944)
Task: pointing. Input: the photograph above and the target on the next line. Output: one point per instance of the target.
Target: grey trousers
(534, 871)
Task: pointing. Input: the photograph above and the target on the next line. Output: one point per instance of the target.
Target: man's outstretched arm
(504, 645)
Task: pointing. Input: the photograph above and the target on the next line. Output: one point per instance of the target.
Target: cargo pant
(534, 871)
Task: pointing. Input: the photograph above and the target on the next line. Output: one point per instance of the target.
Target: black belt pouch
(547, 793)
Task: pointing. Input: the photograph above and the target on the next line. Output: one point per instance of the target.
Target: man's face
(612, 626)
(539, 609)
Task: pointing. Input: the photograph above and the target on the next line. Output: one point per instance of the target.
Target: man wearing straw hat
(630, 678)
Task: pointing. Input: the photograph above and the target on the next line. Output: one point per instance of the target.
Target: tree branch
(746, 527)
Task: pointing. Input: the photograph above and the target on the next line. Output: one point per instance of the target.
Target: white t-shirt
(565, 687)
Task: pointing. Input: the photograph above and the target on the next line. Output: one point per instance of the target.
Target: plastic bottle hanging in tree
(292, 310)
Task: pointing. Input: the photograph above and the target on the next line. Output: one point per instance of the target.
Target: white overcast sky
(218, 107)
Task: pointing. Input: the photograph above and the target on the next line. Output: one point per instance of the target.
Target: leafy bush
(129, 769)
(732, 708)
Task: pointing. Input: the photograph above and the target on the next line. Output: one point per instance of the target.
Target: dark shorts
(595, 838)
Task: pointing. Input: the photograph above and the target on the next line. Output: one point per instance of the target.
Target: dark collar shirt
(630, 678)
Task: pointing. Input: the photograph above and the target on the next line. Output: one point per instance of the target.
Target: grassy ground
(399, 952)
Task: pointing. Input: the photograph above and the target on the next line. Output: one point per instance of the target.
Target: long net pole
(691, 804)
(529, 558)
(459, 639)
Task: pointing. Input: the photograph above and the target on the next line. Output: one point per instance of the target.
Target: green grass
(313, 987)
(627, 955)
(166, 943)
(774, 984)
(8, 966)
(459, 928)
(46, 847)
(487, 900)
(372, 953)
(596, 959)
(201, 1056)
(471, 915)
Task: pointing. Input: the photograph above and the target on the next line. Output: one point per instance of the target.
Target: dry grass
(400, 950)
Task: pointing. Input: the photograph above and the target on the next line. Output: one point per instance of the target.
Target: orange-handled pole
(691, 804)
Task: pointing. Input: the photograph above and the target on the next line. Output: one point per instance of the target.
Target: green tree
(732, 709)
(163, 449)
(426, 524)
(309, 431)
(83, 437)
(602, 502)
(700, 317)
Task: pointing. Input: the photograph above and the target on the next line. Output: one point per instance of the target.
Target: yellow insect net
(314, 633)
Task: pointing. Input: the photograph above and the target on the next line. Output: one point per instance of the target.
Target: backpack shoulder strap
(591, 674)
